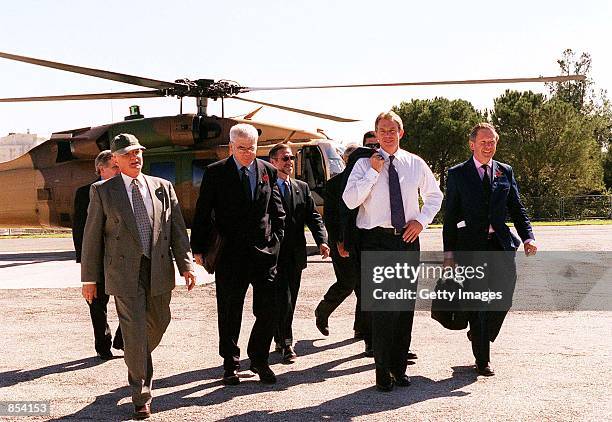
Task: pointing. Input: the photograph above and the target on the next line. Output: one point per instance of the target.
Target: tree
(580, 94)
(437, 131)
(550, 144)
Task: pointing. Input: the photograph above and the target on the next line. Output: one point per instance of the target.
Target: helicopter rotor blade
(98, 73)
(101, 96)
(298, 110)
(427, 83)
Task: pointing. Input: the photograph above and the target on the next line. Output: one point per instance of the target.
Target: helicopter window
(197, 171)
(165, 170)
(313, 172)
(336, 164)
(63, 152)
(208, 130)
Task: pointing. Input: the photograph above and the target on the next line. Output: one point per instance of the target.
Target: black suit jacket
(299, 212)
(79, 217)
(331, 211)
(251, 230)
(465, 206)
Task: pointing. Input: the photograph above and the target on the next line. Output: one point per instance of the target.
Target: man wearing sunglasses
(370, 140)
(300, 210)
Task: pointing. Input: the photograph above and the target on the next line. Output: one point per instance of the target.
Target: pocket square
(460, 224)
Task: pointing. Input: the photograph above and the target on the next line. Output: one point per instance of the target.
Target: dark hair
(276, 148)
(369, 134)
(480, 126)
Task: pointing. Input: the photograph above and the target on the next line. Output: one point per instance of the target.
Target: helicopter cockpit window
(165, 170)
(197, 171)
(336, 164)
(313, 172)
(208, 130)
(64, 153)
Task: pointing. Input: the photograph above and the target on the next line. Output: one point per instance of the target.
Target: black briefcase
(447, 312)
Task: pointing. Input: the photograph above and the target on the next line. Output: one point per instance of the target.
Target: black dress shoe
(358, 335)
(289, 354)
(369, 350)
(384, 380)
(108, 355)
(265, 373)
(485, 370)
(469, 335)
(118, 345)
(321, 322)
(142, 412)
(411, 355)
(230, 377)
(401, 380)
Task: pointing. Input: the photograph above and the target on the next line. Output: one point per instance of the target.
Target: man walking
(385, 188)
(239, 199)
(480, 193)
(300, 210)
(105, 169)
(134, 227)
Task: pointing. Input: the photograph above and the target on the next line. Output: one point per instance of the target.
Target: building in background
(17, 144)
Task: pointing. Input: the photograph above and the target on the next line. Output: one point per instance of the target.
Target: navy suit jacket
(465, 205)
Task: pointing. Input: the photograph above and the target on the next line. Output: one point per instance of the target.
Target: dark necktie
(286, 193)
(142, 219)
(246, 184)
(486, 182)
(398, 220)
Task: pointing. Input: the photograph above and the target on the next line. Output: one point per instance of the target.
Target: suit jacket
(111, 240)
(251, 229)
(79, 217)
(331, 211)
(465, 205)
(299, 212)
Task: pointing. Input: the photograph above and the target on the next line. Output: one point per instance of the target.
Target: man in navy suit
(480, 193)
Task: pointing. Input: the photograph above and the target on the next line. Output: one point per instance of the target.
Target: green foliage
(437, 130)
(549, 143)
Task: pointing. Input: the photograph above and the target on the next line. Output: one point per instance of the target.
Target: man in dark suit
(346, 266)
(300, 210)
(240, 200)
(105, 169)
(134, 228)
(480, 193)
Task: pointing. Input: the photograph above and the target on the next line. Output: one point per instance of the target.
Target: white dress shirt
(369, 190)
(144, 191)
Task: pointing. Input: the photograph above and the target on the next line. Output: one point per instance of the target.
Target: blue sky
(274, 43)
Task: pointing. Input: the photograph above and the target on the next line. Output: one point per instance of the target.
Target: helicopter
(39, 186)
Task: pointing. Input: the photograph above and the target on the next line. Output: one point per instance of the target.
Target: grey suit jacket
(111, 241)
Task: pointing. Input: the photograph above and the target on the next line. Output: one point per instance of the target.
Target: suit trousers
(98, 314)
(485, 324)
(143, 320)
(231, 289)
(391, 330)
(287, 286)
(348, 280)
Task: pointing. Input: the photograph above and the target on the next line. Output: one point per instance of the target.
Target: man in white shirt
(386, 189)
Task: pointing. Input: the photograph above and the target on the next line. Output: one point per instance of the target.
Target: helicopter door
(311, 167)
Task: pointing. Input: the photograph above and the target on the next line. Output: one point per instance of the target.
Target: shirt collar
(127, 180)
(250, 167)
(386, 155)
(479, 164)
(281, 182)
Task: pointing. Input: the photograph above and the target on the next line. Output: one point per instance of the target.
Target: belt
(387, 230)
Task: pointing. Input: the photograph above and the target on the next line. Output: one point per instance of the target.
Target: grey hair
(102, 160)
(348, 151)
(482, 125)
(243, 130)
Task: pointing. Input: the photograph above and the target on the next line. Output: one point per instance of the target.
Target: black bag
(449, 313)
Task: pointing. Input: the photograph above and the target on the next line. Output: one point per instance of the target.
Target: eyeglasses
(375, 145)
(286, 158)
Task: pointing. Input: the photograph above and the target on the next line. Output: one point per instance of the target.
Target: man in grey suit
(134, 221)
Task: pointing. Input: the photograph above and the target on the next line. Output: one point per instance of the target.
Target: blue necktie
(398, 220)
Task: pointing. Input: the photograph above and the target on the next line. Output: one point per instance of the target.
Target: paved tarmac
(549, 365)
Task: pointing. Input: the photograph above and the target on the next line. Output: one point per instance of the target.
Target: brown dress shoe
(142, 412)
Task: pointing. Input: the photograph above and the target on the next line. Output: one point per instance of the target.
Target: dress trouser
(287, 285)
(391, 330)
(347, 282)
(231, 288)
(485, 324)
(143, 320)
(99, 321)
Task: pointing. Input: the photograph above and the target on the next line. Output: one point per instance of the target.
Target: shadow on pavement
(10, 378)
(28, 258)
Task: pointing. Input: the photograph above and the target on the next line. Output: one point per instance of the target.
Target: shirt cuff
(89, 282)
(528, 241)
(372, 174)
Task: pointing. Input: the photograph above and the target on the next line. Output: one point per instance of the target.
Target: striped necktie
(142, 219)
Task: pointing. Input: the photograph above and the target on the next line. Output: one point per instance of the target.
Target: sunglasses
(287, 158)
(373, 145)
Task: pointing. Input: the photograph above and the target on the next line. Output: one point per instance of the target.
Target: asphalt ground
(549, 365)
